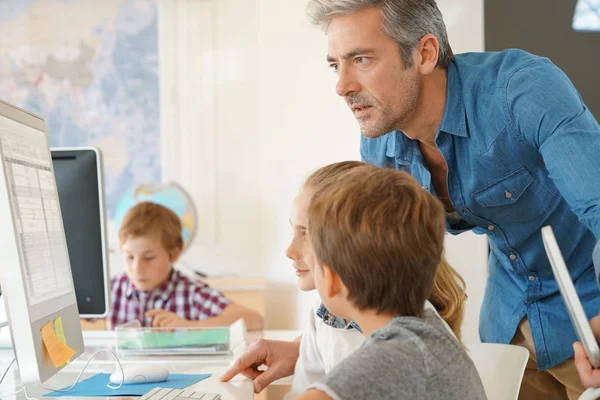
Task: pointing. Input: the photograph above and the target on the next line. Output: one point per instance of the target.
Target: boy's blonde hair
(448, 295)
(155, 221)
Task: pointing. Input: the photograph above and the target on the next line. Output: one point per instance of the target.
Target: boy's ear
(333, 283)
(175, 254)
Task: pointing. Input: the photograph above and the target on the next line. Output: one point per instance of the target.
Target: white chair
(590, 394)
(501, 368)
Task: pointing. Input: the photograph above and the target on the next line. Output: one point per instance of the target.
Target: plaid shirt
(187, 299)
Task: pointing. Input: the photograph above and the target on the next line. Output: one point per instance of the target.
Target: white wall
(304, 125)
(250, 111)
(467, 253)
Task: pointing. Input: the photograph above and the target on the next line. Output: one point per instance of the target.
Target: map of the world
(90, 68)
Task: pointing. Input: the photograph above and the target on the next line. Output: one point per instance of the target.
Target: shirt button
(508, 195)
(491, 228)
(512, 256)
(531, 278)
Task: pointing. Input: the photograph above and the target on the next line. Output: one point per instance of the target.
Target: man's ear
(333, 283)
(428, 52)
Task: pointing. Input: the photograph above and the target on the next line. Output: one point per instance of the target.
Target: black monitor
(78, 174)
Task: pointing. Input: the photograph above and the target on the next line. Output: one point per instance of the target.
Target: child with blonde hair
(329, 339)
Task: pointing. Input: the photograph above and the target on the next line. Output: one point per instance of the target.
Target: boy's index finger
(246, 360)
(229, 374)
(233, 371)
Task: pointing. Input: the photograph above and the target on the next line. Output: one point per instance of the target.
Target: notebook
(160, 342)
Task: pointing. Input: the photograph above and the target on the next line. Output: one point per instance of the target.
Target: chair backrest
(590, 394)
(501, 368)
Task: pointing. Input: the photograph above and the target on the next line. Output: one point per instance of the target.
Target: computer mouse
(148, 373)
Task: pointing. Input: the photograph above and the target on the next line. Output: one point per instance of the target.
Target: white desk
(239, 389)
(287, 335)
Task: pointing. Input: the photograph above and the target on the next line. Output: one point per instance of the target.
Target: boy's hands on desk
(164, 318)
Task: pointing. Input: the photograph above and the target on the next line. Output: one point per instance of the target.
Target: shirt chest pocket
(517, 196)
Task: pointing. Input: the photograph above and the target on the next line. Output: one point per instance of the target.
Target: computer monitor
(35, 272)
(78, 173)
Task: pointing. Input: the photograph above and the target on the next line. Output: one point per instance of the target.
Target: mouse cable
(76, 381)
(6, 372)
(23, 389)
(83, 370)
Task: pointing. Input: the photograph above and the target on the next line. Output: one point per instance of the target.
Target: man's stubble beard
(386, 122)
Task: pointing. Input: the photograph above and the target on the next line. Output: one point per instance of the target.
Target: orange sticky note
(46, 355)
(58, 351)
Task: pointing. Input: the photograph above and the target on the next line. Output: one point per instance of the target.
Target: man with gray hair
(503, 139)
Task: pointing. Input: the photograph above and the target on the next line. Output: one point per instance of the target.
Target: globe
(169, 195)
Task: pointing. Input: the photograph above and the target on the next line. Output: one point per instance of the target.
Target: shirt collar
(454, 120)
(163, 292)
(400, 147)
(335, 322)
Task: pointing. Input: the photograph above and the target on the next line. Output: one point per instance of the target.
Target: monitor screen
(80, 194)
(36, 278)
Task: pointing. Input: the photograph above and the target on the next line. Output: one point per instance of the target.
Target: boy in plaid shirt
(152, 291)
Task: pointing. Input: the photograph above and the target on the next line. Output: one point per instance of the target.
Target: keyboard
(159, 393)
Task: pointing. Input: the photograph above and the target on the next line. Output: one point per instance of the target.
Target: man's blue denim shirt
(523, 151)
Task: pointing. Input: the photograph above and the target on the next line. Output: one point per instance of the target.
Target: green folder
(217, 338)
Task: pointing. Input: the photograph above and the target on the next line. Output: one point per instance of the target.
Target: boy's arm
(254, 321)
(313, 394)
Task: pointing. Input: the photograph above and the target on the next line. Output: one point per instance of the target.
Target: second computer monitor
(78, 174)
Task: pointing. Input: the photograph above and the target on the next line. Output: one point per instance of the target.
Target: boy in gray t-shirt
(410, 358)
(378, 238)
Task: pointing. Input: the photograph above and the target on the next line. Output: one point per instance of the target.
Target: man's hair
(155, 221)
(405, 21)
(383, 235)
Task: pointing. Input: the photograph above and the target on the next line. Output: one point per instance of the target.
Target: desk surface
(239, 389)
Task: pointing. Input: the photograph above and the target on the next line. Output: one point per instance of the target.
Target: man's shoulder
(485, 71)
